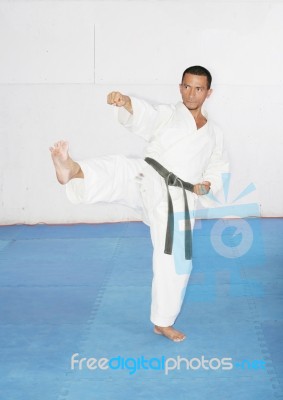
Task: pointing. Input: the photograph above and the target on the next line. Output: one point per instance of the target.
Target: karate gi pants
(132, 182)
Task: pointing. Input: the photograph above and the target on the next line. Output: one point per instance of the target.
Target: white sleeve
(143, 120)
(217, 165)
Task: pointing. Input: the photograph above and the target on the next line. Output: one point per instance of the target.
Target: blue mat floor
(83, 291)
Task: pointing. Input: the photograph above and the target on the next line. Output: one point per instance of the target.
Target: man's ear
(209, 93)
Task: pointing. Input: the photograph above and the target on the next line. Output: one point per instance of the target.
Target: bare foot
(65, 167)
(170, 333)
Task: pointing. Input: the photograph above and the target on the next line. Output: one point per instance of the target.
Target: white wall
(59, 59)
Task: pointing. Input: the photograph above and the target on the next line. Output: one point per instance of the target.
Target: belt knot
(172, 179)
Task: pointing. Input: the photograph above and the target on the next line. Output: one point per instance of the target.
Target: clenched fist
(120, 100)
(202, 188)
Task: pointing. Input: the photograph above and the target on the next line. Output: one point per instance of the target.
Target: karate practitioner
(184, 159)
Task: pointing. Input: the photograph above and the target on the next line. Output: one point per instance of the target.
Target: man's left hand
(202, 188)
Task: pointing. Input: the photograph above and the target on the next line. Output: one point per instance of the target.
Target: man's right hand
(120, 100)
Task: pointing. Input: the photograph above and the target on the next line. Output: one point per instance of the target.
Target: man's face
(194, 91)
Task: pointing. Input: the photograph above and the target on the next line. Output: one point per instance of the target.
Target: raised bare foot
(169, 332)
(62, 161)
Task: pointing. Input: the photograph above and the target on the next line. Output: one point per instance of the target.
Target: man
(184, 158)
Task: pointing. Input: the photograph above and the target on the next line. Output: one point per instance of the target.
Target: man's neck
(196, 114)
(199, 118)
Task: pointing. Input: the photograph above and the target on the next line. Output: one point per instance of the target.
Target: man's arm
(139, 116)
(120, 100)
(218, 164)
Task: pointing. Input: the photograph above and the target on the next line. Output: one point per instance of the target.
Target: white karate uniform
(191, 154)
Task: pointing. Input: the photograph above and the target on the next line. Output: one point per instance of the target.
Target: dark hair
(201, 71)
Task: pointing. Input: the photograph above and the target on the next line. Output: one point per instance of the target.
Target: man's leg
(170, 272)
(109, 179)
(168, 290)
(66, 168)
(170, 278)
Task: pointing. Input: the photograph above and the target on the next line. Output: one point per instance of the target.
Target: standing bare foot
(170, 333)
(65, 167)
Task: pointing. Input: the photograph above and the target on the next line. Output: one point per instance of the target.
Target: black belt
(173, 180)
